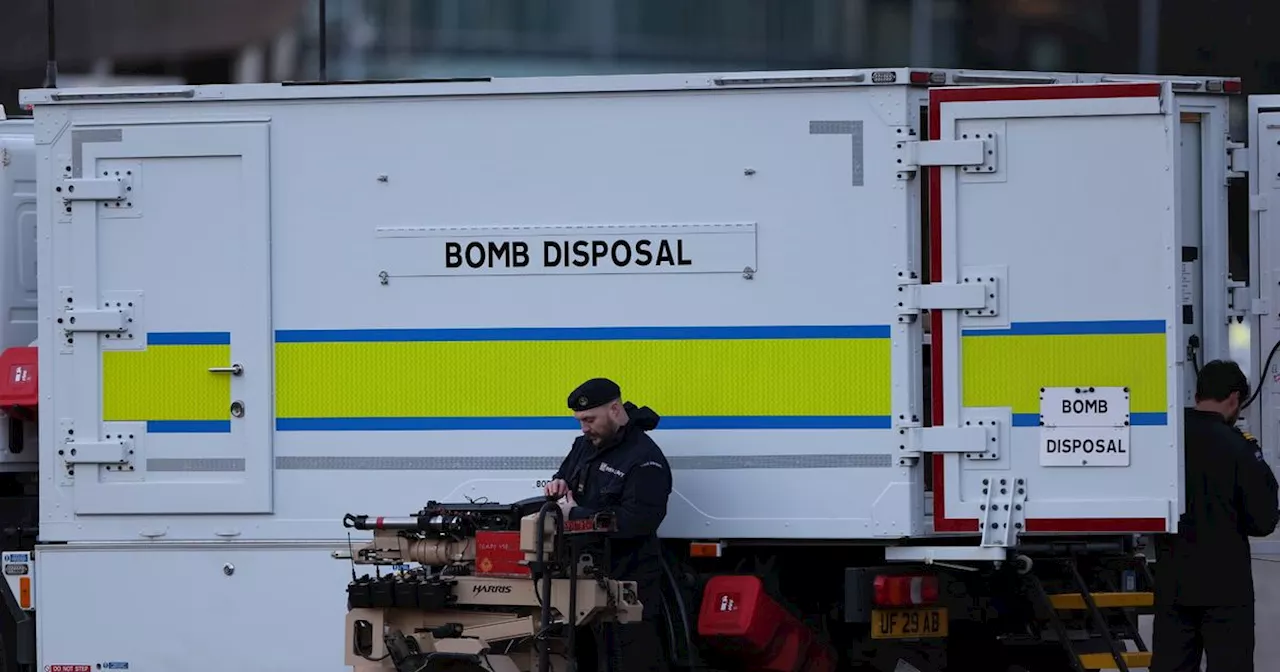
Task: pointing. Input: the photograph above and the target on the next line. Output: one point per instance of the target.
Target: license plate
(908, 623)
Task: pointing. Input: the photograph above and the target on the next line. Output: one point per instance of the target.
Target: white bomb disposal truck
(920, 340)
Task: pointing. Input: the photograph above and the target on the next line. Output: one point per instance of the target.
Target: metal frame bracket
(1003, 510)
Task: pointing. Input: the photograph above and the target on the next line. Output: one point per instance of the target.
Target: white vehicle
(19, 452)
(909, 331)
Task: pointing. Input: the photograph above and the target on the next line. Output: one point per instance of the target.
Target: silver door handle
(234, 369)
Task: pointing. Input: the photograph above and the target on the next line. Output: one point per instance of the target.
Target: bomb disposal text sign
(1084, 427)
(569, 249)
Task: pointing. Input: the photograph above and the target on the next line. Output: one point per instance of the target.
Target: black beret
(594, 393)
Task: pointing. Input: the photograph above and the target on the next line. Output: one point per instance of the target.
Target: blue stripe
(189, 338)
(580, 333)
(188, 426)
(1074, 328)
(568, 423)
(1135, 419)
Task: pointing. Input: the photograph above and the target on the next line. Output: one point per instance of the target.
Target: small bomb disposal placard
(1084, 427)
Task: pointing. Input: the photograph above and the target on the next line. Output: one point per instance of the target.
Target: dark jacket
(1231, 495)
(628, 476)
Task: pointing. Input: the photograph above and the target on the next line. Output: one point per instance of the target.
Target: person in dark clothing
(1204, 574)
(616, 467)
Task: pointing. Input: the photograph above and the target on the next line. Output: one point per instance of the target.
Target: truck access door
(156, 344)
(1057, 391)
(1264, 197)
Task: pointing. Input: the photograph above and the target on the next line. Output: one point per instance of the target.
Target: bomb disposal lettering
(580, 253)
(568, 250)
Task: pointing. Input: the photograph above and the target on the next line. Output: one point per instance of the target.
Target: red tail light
(905, 590)
(925, 77)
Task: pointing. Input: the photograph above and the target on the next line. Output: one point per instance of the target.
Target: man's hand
(566, 503)
(557, 488)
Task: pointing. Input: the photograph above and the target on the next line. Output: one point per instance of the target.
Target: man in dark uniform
(615, 466)
(1204, 573)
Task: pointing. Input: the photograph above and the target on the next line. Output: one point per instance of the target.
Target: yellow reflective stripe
(488, 379)
(715, 377)
(165, 382)
(1007, 368)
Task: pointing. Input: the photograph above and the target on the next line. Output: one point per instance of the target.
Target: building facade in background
(416, 38)
(115, 42)
(238, 40)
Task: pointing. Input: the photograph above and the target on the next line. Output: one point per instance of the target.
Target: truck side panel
(239, 606)
(438, 286)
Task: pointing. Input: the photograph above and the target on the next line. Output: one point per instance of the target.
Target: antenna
(351, 554)
(324, 41)
(51, 38)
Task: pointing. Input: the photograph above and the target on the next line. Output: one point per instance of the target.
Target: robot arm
(454, 606)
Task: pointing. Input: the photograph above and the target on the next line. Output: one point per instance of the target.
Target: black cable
(683, 612)
(539, 540)
(1193, 353)
(1193, 347)
(1262, 375)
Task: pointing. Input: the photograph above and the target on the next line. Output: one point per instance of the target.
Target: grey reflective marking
(853, 129)
(838, 461)
(81, 136)
(195, 464)
(512, 463)
(473, 463)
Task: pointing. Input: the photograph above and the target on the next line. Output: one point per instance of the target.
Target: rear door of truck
(1057, 392)
(1264, 196)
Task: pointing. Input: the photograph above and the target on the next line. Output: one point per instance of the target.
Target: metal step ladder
(1093, 627)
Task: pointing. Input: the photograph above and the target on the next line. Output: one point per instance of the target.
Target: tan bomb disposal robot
(500, 588)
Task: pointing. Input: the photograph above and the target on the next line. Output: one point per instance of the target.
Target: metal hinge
(1238, 159)
(96, 452)
(108, 320)
(93, 189)
(117, 320)
(977, 296)
(977, 439)
(1240, 303)
(114, 451)
(973, 154)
